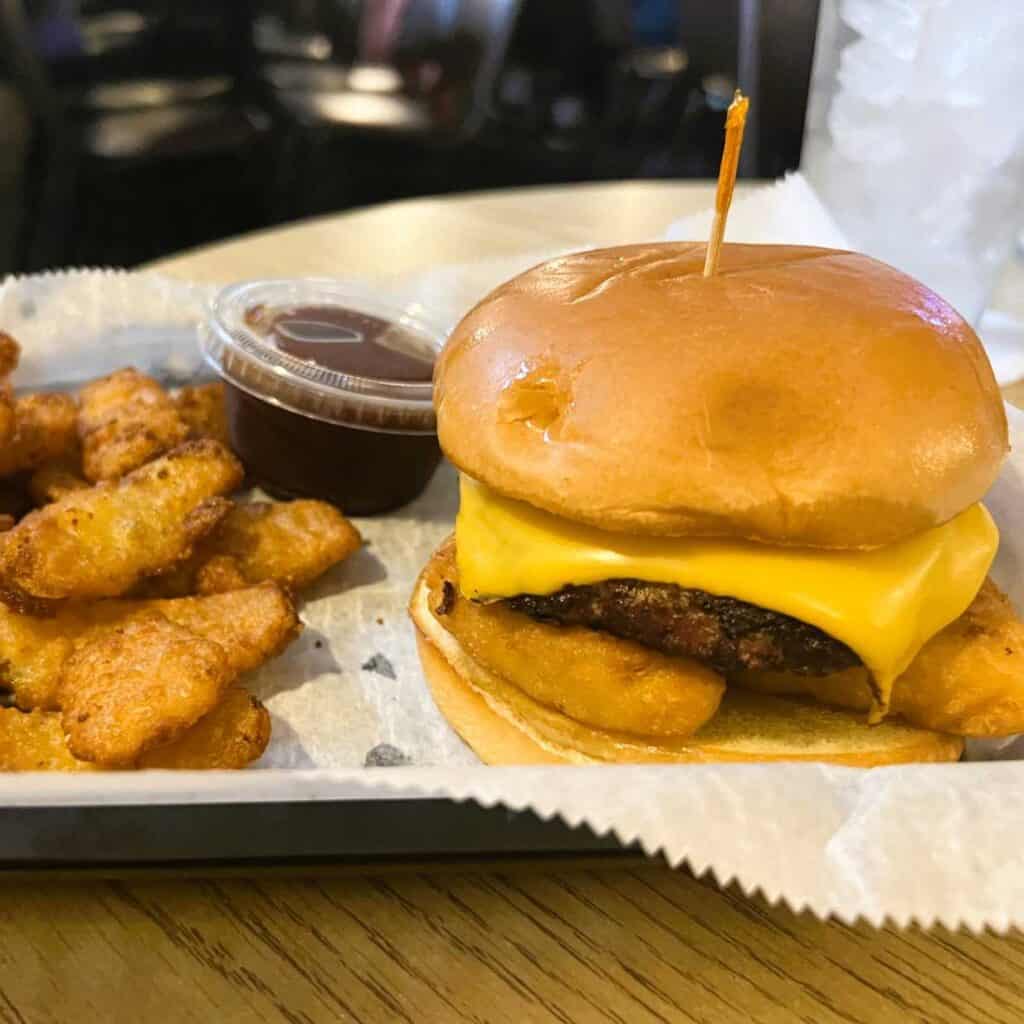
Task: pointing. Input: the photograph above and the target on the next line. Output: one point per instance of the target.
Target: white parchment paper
(919, 843)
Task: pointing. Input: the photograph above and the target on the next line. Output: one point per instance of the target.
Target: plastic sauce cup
(328, 391)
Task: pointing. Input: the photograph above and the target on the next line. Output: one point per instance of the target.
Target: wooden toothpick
(735, 119)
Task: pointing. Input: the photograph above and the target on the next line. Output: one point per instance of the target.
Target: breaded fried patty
(588, 676)
(722, 632)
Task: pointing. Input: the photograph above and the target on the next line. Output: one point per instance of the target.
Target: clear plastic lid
(326, 349)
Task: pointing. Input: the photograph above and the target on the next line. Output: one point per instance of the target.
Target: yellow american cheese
(883, 604)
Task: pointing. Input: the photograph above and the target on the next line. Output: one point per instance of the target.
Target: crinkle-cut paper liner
(77, 324)
(919, 843)
(926, 845)
(838, 842)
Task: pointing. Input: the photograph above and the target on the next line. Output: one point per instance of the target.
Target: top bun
(800, 396)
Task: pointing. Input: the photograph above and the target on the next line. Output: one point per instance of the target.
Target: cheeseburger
(735, 517)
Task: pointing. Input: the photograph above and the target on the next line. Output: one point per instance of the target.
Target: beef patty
(725, 633)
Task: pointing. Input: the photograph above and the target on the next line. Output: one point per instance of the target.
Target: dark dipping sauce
(345, 340)
(350, 446)
(363, 472)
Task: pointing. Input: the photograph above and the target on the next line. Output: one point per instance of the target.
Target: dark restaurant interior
(133, 129)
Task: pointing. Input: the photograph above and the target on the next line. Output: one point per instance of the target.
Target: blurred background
(133, 128)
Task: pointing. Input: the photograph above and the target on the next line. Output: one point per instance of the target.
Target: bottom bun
(748, 726)
(493, 739)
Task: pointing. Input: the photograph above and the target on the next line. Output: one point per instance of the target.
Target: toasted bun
(748, 727)
(800, 396)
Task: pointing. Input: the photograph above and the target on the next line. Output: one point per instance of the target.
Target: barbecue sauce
(371, 462)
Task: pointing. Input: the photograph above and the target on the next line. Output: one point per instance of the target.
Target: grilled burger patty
(725, 633)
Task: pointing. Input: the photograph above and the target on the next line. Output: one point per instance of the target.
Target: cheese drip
(883, 604)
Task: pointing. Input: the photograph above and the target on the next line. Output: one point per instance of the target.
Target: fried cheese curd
(126, 419)
(99, 542)
(43, 428)
(615, 684)
(252, 626)
(291, 543)
(966, 680)
(201, 407)
(234, 734)
(56, 479)
(137, 685)
(10, 354)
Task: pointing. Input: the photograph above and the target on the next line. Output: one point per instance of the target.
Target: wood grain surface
(631, 946)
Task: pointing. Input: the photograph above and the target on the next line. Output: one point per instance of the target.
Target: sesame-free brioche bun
(800, 396)
(504, 726)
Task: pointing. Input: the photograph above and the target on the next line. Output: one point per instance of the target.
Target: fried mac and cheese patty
(589, 676)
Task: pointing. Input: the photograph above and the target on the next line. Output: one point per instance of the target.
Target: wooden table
(554, 943)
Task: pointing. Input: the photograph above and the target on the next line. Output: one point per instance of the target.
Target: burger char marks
(725, 633)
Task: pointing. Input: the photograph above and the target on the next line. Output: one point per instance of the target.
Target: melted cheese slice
(883, 604)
